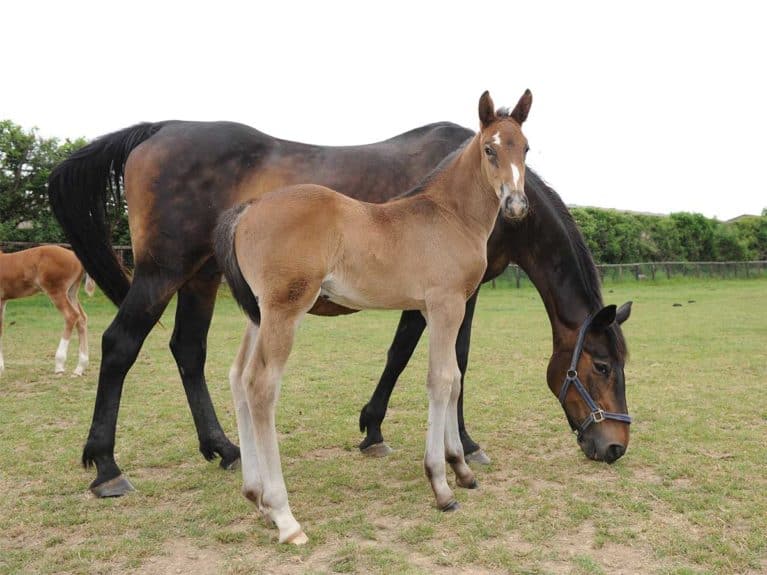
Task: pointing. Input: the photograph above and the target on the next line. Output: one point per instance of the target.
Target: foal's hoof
(479, 457)
(298, 538)
(377, 450)
(452, 506)
(116, 487)
(473, 484)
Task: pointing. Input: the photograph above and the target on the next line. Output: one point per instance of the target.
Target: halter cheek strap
(597, 414)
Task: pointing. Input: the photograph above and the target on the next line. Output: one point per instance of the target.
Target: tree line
(26, 159)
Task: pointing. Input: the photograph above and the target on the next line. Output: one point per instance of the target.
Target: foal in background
(57, 272)
(307, 248)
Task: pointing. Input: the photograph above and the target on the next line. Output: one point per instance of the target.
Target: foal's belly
(347, 293)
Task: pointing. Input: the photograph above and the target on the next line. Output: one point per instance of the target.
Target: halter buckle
(598, 416)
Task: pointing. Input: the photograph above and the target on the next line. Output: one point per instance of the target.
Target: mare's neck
(462, 191)
(551, 252)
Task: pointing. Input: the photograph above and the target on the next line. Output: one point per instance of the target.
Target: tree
(26, 160)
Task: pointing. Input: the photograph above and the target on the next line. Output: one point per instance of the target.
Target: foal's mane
(438, 169)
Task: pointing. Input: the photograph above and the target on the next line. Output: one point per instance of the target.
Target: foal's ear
(522, 109)
(623, 312)
(486, 110)
(604, 318)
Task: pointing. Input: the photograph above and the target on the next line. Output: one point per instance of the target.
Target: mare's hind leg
(2, 313)
(196, 299)
(82, 328)
(71, 316)
(120, 344)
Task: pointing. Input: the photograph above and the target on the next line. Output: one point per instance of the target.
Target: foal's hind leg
(60, 299)
(82, 328)
(261, 382)
(188, 344)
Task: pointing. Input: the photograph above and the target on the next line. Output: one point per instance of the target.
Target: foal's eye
(527, 149)
(490, 151)
(602, 368)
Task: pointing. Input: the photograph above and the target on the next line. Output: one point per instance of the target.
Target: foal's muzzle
(514, 206)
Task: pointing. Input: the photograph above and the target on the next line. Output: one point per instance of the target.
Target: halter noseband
(597, 415)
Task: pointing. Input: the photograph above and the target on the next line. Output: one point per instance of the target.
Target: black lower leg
(120, 345)
(409, 330)
(188, 344)
(462, 345)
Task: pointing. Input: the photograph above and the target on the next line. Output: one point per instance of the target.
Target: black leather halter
(597, 415)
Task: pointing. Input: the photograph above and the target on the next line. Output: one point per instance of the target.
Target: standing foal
(57, 272)
(306, 246)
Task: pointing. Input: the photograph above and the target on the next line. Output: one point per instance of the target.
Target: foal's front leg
(443, 441)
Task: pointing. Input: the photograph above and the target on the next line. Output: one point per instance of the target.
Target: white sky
(650, 106)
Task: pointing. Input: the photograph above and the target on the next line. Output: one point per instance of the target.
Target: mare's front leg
(409, 330)
(188, 344)
(444, 315)
(472, 451)
(120, 344)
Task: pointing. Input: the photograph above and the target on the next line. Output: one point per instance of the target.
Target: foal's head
(504, 148)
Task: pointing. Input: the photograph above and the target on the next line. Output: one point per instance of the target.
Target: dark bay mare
(178, 177)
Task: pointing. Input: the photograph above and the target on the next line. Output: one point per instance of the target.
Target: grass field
(690, 495)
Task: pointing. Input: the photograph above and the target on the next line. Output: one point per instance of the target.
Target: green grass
(689, 496)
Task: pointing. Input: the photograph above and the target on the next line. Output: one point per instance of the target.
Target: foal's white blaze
(497, 139)
(61, 355)
(515, 175)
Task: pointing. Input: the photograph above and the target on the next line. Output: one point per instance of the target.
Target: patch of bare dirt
(181, 556)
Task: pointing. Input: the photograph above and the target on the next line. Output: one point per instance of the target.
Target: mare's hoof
(479, 457)
(116, 487)
(299, 538)
(230, 464)
(452, 506)
(377, 450)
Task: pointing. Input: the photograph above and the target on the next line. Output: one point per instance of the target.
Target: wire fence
(516, 277)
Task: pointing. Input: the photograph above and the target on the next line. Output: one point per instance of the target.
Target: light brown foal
(57, 272)
(305, 248)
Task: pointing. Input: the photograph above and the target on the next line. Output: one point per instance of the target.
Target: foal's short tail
(90, 285)
(223, 245)
(81, 188)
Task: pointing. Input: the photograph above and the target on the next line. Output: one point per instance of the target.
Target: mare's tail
(81, 187)
(223, 245)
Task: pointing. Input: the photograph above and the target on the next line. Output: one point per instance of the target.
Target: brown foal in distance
(57, 272)
(307, 247)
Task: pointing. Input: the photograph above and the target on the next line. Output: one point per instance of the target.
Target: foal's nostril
(614, 452)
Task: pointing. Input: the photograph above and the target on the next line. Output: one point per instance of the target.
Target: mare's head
(504, 147)
(590, 384)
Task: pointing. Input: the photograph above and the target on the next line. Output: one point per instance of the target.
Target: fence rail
(514, 275)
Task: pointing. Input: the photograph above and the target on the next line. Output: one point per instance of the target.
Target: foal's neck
(461, 190)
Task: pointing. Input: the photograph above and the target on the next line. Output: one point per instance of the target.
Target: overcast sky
(649, 106)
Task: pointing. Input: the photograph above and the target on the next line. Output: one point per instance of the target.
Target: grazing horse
(181, 175)
(548, 246)
(57, 272)
(283, 252)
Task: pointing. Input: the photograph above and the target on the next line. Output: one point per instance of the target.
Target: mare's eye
(602, 368)
(490, 151)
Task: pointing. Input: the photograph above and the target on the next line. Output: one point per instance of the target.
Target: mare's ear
(486, 110)
(604, 318)
(623, 312)
(522, 109)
